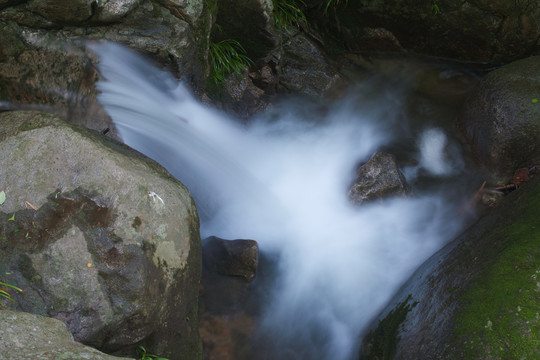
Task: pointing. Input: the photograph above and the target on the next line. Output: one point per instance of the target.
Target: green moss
(380, 344)
(500, 312)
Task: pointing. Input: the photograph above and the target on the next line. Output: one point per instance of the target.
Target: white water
(283, 182)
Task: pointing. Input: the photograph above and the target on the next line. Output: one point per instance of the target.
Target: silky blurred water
(283, 179)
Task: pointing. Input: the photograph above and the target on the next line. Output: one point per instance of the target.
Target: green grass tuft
(228, 56)
(288, 13)
(5, 295)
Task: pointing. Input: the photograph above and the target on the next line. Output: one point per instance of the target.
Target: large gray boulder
(500, 121)
(29, 336)
(378, 179)
(477, 298)
(98, 236)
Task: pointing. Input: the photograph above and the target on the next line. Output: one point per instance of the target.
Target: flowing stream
(283, 180)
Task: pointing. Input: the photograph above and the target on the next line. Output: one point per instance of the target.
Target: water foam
(283, 182)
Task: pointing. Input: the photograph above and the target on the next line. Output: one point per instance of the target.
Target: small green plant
(143, 355)
(435, 9)
(288, 12)
(228, 56)
(4, 294)
(334, 4)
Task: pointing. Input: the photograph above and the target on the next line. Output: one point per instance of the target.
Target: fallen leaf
(12, 218)
(2, 197)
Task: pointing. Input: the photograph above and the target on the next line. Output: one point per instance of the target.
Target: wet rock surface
(230, 305)
(500, 120)
(477, 297)
(89, 246)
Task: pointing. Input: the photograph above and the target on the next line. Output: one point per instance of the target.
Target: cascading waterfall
(283, 180)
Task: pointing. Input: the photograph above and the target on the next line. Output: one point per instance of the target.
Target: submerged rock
(29, 336)
(379, 178)
(477, 298)
(89, 246)
(500, 121)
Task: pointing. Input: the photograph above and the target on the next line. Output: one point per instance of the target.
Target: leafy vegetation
(288, 13)
(4, 294)
(143, 355)
(334, 4)
(228, 56)
(435, 8)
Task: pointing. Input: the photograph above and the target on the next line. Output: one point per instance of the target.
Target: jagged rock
(29, 336)
(500, 120)
(306, 70)
(379, 178)
(477, 298)
(89, 245)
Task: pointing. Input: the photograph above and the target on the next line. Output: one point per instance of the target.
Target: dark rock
(500, 120)
(306, 70)
(61, 11)
(230, 311)
(378, 39)
(231, 257)
(116, 266)
(495, 31)
(477, 298)
(377, 179)
(29, 336)
(250, 22)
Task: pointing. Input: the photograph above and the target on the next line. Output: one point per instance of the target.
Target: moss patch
(380, 344)
(500, 312)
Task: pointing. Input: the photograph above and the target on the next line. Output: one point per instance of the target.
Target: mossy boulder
(29, 336)
(478, 297)
(80, 233)
(500, 121)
